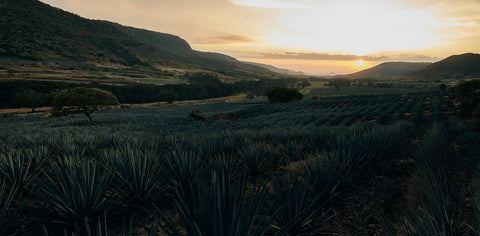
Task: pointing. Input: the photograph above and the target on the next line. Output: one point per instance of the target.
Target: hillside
(36, 31)
(456, 66)
(388, 69)
(277, 70)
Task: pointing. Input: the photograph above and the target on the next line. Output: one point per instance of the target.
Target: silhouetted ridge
(388, 69)
(456, 66)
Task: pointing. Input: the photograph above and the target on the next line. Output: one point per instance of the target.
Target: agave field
(353, 165)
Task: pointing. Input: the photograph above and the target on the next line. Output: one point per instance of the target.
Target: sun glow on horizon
(359, 64)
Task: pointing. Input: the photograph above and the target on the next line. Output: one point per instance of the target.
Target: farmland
(397, 164)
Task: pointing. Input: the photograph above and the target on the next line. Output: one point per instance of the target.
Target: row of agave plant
(435, 203)
(473, 151)
(219, 185)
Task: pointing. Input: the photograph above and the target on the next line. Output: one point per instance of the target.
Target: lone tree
(283, 94)
(82, 100)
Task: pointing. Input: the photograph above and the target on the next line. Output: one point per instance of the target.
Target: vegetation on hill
(388, 69)
(36, 31)
(456, 66)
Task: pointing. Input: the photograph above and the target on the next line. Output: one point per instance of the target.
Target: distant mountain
(388, 69)
(36, 31)
(456, 66)
(277, 70)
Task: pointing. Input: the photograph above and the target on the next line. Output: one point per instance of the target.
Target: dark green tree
(30, 99)
(168, 95)
(283, 94)
(82, 100)
(467, 95)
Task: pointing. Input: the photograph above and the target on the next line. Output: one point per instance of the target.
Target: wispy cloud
(411, 57)
(223, 39)
(320, 56)
(274, 4)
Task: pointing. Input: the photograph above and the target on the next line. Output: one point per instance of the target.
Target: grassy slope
(34, 30)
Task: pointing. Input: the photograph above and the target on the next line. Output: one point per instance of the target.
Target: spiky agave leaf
(74, 191)
(17, 168)
(183, 167)
(7, 198)
(138, 174)
(221, 208)
(252, 159)
(298, 204)
(331, 172)
(225, 165)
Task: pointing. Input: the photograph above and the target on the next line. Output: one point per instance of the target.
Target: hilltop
(456, 66)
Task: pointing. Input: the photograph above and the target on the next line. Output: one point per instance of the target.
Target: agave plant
(225, 165)
(74, 192)
(221, 208)
(298, 214)
(331, 172)
(433, 210)
(101, 228)
(7, 197)
(68, 147)
(17, 169)
(138, 174)
(183, 168)
(253, 159)
(294, 149)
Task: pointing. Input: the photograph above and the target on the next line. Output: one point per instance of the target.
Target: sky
(314, 36)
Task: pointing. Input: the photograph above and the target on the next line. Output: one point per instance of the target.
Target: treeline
(344, 82)
(16, 93)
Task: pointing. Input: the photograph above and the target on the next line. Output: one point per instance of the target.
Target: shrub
(198, 114)
(283, 94)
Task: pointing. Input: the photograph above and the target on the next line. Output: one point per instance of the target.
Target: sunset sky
(314, 36)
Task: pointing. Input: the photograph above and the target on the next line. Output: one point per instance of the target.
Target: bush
(467, 94)
(283, 94)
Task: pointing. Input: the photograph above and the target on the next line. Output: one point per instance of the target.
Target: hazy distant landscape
(109, 129)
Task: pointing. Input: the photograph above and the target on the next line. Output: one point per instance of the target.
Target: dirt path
(41, 110)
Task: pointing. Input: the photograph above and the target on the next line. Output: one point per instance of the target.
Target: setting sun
(359, 63)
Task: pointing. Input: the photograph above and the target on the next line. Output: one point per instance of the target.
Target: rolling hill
(457, 66)
(36, 31)
(388, 69)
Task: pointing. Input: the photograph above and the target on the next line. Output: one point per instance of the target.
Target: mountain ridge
(37, 31)
(388, 69)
